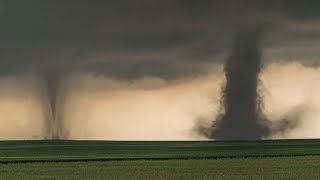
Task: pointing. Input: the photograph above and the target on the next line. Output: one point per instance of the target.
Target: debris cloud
(242, 118)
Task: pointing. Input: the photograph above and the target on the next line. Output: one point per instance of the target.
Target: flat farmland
(59, 159)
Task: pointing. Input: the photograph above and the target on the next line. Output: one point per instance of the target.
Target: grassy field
(159, 160)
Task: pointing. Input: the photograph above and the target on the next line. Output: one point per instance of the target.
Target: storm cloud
(129, 40)
(141, 38)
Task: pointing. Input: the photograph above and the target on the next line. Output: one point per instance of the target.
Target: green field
(160, 160)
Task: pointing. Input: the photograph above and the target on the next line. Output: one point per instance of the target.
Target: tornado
(53, 121)
(242, 118)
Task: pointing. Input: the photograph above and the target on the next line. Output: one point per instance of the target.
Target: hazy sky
(149, 69)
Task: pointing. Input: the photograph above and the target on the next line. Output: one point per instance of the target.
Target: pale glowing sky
(155, 109)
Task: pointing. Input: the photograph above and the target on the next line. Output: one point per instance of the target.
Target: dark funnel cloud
(242, 118)
(52, 121)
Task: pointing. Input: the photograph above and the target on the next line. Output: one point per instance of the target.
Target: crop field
(58, 159)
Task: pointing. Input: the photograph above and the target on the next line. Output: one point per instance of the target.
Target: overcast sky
(130, 39)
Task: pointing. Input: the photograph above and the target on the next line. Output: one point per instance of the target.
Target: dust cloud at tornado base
(242, 102)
